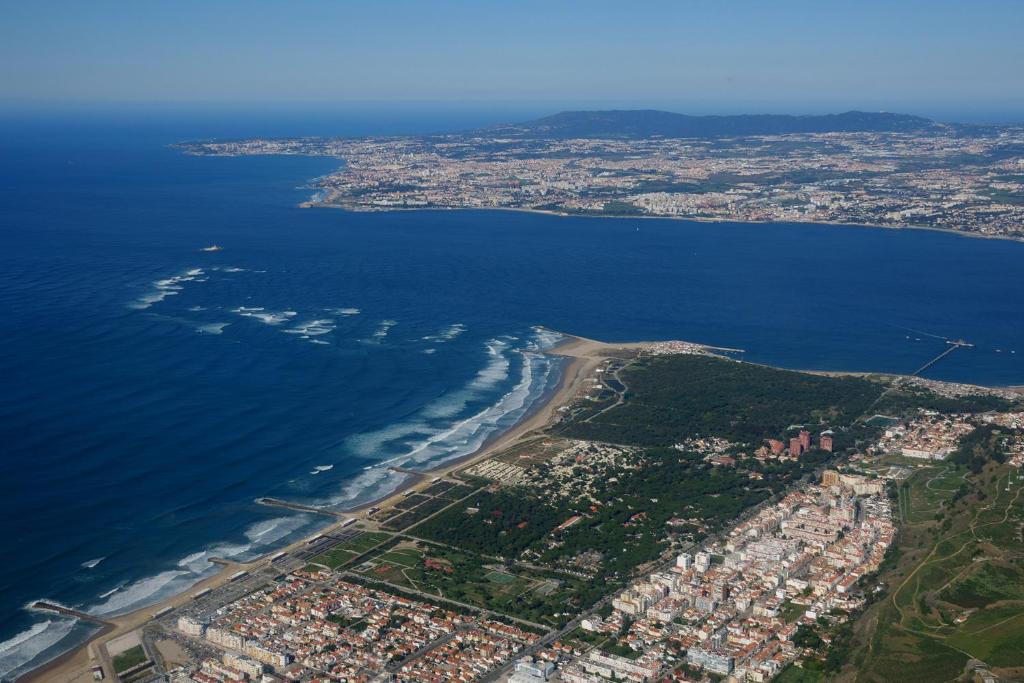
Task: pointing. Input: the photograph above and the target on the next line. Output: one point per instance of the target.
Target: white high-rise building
(703, 562)
(684, 561)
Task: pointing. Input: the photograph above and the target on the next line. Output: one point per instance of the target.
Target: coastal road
(620, 396)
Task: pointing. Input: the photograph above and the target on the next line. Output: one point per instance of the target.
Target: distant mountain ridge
(645, 123)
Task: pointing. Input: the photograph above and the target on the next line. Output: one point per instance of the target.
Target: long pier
(725, 349)
(406, 470)
(299, 507)
(45, 606)
(953, 346)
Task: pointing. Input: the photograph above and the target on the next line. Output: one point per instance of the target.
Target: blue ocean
(151, 389)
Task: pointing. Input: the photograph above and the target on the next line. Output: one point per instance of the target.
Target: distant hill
(652, 123)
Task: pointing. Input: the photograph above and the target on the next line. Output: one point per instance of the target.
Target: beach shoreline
(582, 357)
(535, 418)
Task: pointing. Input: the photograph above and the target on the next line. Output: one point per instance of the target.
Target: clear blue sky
(921, 56)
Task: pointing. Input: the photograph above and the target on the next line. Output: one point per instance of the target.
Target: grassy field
(796, 674)
(995, 635)
(341, 555)
(790, 611)
(469, 578)
(129, 658)
(956, 589)
(445, 573)
(392, 566)
(500, 577)
(921, 502)
(985, 583)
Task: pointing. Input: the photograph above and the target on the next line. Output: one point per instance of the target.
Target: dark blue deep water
(149, 391)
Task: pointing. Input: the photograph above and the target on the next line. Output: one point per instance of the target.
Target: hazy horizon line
(995, 114)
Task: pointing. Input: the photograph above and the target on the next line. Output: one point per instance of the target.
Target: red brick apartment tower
(826, 442)
(805, 440)
(795, 447)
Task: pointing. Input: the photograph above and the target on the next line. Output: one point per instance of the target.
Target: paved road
(395, 666)
(430, 597)
(553, 636)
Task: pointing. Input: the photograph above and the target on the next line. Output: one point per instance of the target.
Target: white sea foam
(424, 424)
(263, 315)
(544, 339)
(149, 589)
(429, 351)
(312, 328)
(89, 564)
(468, 435)
(375, 482)
(383, 328)
(196, 308)
(447, 334)
(193, 567)
(427, 440)
(271, 531)
(212, 328)
(167, 287)
(113, 590)
(491, 375)
(496, 371)
(322, 468)
(343, 311)
(28, 644)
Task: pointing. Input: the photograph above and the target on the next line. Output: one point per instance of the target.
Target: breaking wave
(383, 328)
(373, 484)
(32, 642)
(459, 424)
(447, 334)
(312, 328)
(167, 287)
(496, 371)
(263, 315)
(212, 328)
(194, 567)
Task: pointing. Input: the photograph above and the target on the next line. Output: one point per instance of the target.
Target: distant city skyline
(948, 60)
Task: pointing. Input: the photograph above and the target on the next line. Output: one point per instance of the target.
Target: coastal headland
(852, 169)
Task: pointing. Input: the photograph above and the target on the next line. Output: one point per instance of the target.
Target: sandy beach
(584, 356)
